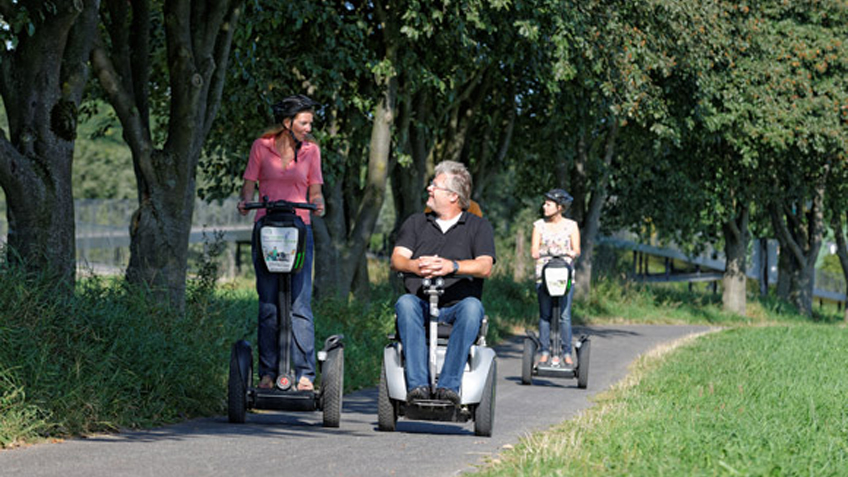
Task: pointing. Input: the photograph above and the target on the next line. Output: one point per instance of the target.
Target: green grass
(745, 401)
(106, 358)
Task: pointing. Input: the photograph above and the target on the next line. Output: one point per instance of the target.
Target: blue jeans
(546, 305)
(465, 316)
(303, 326)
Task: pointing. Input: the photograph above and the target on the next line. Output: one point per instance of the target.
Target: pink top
(265, 166)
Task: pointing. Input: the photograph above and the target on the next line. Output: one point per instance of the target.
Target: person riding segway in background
(285, 162)
(554, 236)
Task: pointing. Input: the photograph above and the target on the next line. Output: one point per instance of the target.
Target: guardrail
(714, 264)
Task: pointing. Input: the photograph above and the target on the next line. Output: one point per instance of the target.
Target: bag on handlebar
(282, 241)
(557, 276)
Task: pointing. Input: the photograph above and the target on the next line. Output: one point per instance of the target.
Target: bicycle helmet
(560, 197)
(289, 107)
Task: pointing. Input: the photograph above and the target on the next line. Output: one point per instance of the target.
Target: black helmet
(291, 106)
(560, 197)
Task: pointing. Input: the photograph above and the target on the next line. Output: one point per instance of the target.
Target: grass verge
(745, 401)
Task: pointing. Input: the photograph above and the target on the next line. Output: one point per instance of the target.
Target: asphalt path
(296, 444)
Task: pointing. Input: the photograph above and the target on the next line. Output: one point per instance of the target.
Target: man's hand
(434, 266)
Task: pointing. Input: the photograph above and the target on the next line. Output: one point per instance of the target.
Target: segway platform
(278, 400)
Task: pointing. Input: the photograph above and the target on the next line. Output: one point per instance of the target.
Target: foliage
(322, 52)
(102, 161)
(107, 358)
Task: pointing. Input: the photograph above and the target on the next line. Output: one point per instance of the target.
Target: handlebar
(279, 205)
(437, 281)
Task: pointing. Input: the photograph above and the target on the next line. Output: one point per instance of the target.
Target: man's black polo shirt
(469, 238)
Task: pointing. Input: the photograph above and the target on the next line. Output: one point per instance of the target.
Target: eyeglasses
(434, 186)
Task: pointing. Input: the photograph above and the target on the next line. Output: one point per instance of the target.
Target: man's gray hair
(458, 180)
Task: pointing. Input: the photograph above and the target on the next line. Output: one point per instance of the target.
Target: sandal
(545, 357)
(305, 384)
(568, 360)
(267, 382)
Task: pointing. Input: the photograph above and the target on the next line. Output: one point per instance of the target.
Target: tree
(371, 64)
(43, 72)
(801, 121)
(837, 195)
(180, 77)
(606, 78)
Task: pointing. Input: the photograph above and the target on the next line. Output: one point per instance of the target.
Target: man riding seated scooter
(445, 242)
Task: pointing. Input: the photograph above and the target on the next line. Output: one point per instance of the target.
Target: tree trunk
(198, 38)
(734, 280)
(592, 216)
(352, 245)
(520, 262)
(800, 231)
(838, 226)
(328, 247)
(41, 82)
(159, 235)
(786, 269)
(374, 193)
(408, 186)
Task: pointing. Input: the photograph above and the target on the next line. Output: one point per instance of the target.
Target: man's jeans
(465, 316)
(546, 305)
(303, 326)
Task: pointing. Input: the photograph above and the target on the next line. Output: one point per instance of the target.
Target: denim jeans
(303, 326)
(546, 305)
(465, 316)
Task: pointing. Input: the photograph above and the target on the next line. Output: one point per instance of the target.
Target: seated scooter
(281, 239)
(557, 277)
(477, 391)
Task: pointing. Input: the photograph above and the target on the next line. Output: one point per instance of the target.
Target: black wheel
(527, 361)
(238, 384)
(332, 387)
(386, 410)
(484, 414)
(583, 364)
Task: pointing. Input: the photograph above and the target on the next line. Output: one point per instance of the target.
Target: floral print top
(555, 240)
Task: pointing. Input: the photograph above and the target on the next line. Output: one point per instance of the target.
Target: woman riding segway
(555, 246)
(286, 165)
(554, 236)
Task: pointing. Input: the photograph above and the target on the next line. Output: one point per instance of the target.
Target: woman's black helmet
(560, 197)
(291, 106)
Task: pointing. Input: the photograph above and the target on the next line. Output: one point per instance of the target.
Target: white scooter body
(477, 390)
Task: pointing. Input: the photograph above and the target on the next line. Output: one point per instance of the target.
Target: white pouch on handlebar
(282, 240)
(557, 276)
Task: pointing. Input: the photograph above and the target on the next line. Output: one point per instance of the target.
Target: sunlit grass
(745, 401)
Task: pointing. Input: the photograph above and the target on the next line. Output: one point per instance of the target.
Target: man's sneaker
(445, 394)
(417, 394)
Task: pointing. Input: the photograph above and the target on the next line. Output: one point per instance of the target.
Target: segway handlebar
(272, 205)
(437, 281)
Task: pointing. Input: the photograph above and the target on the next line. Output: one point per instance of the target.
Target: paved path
(295, 444)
